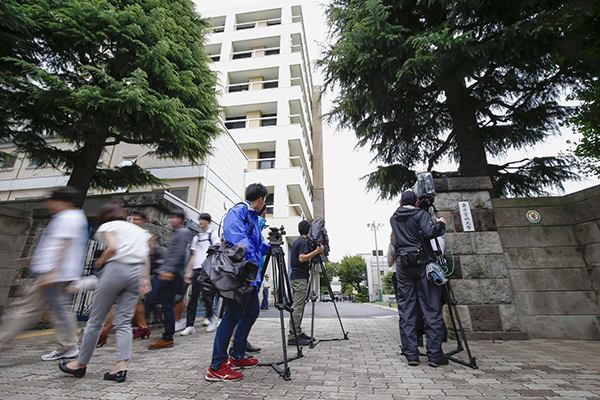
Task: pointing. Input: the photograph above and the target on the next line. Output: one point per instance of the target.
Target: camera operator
(299, 262)
(412, 227)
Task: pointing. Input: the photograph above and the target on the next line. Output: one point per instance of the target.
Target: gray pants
(28, 311)
(117, 282)
(299, 296)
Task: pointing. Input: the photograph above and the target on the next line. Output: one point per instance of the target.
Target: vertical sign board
(465, 216)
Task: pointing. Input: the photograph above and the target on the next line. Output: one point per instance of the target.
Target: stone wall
(15, 226)
(554, 264)
(480, 279)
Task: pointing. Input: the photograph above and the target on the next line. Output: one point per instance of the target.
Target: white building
(261, 58)
(377, 269)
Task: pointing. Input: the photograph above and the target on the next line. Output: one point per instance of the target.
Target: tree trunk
(473, 160)
(86, 165)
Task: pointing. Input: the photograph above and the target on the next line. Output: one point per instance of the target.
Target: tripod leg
(452, 310)
(328, 283)
(452, 306)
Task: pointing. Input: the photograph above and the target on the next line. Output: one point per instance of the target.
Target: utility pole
(374, 226)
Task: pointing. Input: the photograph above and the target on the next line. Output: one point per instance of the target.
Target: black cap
(409, 198)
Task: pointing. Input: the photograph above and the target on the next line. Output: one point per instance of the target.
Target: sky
(348, 205)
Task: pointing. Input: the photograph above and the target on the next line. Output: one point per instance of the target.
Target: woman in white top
(125, 273)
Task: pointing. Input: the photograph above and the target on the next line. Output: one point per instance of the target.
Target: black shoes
(77, 373)
(298, 342)
(439, 363)
(413, 363)
(306, 337)
(119, 376)
(252, 349)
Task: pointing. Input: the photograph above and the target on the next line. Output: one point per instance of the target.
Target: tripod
(314, 262)
(456, 320)
(283, 298)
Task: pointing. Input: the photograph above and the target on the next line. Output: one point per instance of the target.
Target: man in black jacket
(412, 228)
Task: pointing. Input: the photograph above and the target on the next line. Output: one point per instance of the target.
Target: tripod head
(275, 236)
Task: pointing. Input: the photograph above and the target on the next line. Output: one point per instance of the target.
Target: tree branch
(441, 150)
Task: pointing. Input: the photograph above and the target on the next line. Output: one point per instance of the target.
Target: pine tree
(421, 81)
(95, 73)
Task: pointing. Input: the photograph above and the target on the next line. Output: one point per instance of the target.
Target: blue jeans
(265, 302)
(241, 315)
(165, 291)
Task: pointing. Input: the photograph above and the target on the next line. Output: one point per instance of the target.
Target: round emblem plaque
(533, 216)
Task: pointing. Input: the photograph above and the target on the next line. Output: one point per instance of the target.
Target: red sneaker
(225, 373)
(243, 363)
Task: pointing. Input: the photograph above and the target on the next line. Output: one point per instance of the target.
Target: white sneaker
(187, 331)
(214, 323)
(57, 355)
(206, 322)
(180, 325)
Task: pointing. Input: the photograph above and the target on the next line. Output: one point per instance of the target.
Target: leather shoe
(438, 364)
(77, 373)
(252, 349)
(306, 337)
(119, 376)
(161, 344)
(298, 342)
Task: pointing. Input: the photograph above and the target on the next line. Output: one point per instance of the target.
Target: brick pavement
(368, 366)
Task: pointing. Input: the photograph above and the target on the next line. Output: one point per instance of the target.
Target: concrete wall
(480, 279)
(554, 264)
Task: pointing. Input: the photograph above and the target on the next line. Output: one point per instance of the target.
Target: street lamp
(374, 226)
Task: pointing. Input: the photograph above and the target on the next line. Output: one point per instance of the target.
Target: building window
(236, 122)
(269, 162)
(269, 120)
(270, 201)
(375, 253)
(127, 161)
(181, 193)
(7, 161)
(247, 54)
(38, 164)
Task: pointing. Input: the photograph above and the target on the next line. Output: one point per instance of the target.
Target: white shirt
(131, 239)
(68, 225)
(201, 243)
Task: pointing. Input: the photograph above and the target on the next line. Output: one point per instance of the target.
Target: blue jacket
(236, 231)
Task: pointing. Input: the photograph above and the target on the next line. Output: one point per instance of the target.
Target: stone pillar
(480, 279)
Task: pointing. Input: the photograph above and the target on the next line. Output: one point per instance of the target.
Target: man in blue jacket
(412, 228)
(241, 225)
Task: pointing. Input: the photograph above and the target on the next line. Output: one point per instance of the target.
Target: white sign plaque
(465, 216)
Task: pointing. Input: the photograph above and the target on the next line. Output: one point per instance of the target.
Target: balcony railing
(215, 29)
(264, 163)
(297, 163)
(255, 24)
(240, 123)
(299, 119)
(297, 81)
(296, 18)
(252, 53)
(242, 87)
(298, 209)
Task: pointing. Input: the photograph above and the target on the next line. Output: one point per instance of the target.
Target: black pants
(208, 296)
(413, 290)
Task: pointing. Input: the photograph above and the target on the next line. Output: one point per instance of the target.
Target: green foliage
(388, 283)
(363, 295)
(331, 269)
(423, 82)
(352, 271)
(586, 120)
(95, 73)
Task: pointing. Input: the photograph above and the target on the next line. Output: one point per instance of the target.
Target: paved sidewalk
(368, 366)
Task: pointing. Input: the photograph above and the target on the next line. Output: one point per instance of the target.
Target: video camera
(317, 236)
(425, 190)
(275, 235)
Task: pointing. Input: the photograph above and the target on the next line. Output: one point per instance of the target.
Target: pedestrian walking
(266, 285)
(57, 261)
(169, 278)
(200, 244)
(125, 274)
